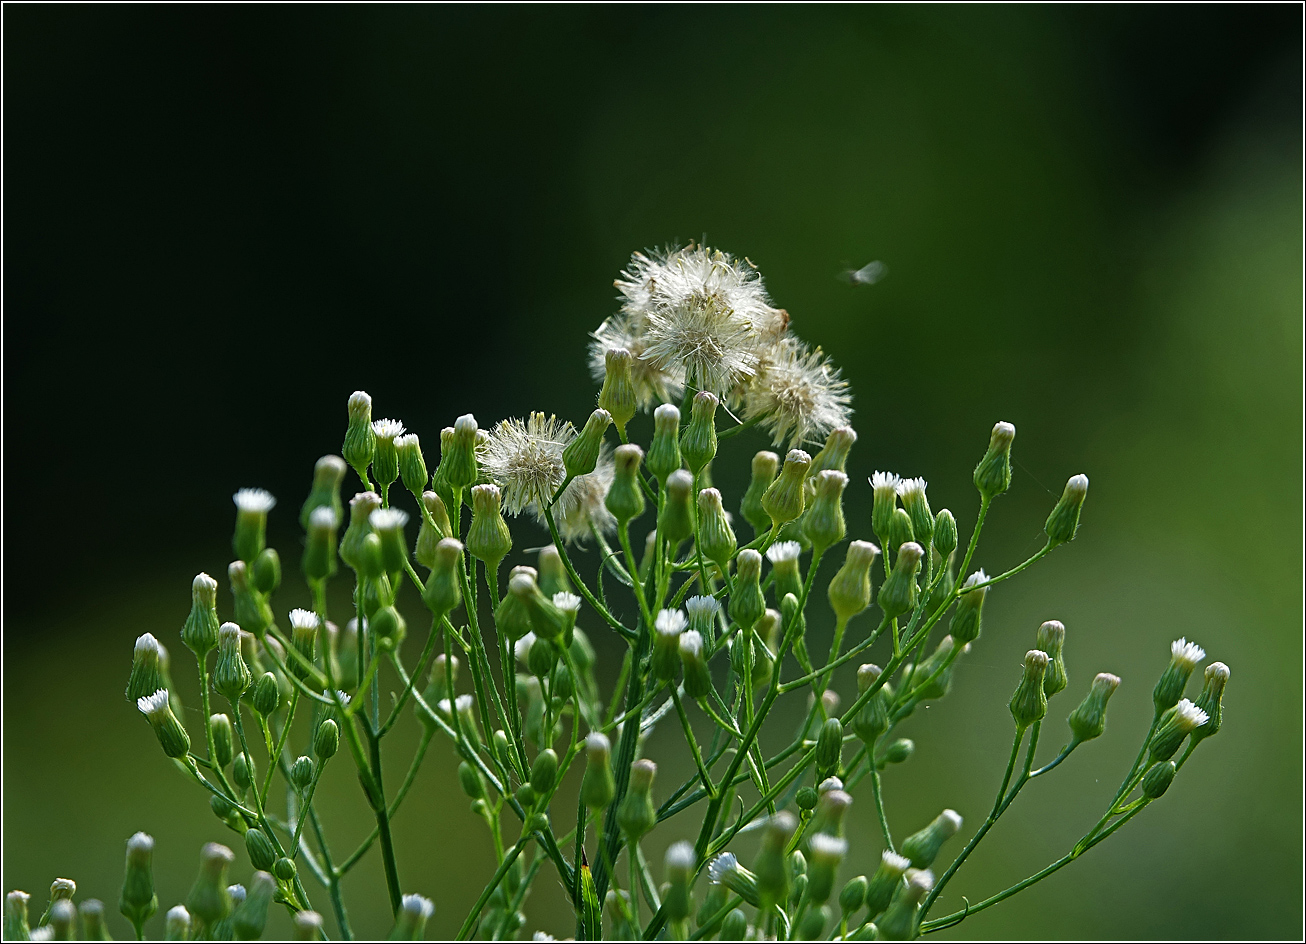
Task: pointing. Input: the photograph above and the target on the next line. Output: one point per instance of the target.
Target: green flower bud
(319, 560)
(827, 855)
(552, 572)
(967, 619)
(302, 772)
(328, 473)
(387, 623)
(326, 740)
(224, 811)
(252, 612)
(716, 898)
(220, 729)
(1175, 725)
(734, 927)
(525, 795)
(1052, 639)
(1064, 520)
(901, 921)
(440, 478)
(252, 507)
(945, 533)
(200, 631)
(511, 616)
(832, 807)
(899, 751)
(1158, 779)
(726, 871)
(304, 626)
(678, 899)
(1089, 719)
(702, 612)
(209, 900)
(885, 881)
(765, 465)
(618, 395)
(308, 924)
(993, 474)
(488, 539)
(716, 537)
(385, 457)
(16, 926)
(665, 661)
(900, 531)
(265, 696)
(251, 915)
(243, 771)
(544, 772)
(147, 668)
(259, 847)
(884, 489)
(547, 620)
(388, 526)
(231, 677)
(470, 781)
(62, 920)
(1029, 703)
(912, 493)
(929, 686)
(767, 636)
(829, 747)
(646, 562)
(698, 443)
(813, 924)
(443, 591)
(581, 455)
(178, 924)
(92, 915)
(360, 440)
(834, 454)
(285, 870)
(853, 896)
(371, 562)
(137, 902)
(806, 799)
(361, 507)
(462, 470)
(676, 520)
(784, 499)
(432, 531)
(898, 592)
(664, 452)
(1211, 700)
(770, 867)
(625, 498)
(923, 847)
(158, 711)
(824, 522)
(1184, 656)
(850, 589)
(412, 465)
(741, 656)
(873, 720)
(410, 921)
(747, 604)
(698, 679)
(598, 787)
(637, 815)
(542, 657)
(267, 571)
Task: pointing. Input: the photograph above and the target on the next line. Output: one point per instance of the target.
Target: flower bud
(308, 924)
(547, 620)
(462, 470)
(471, 781)
(829, 747)
(265, 573)
(831, 808)
(968, 617)
(598, 786)
(361, 507)
(665, 660)
(360, 440)
(646, 562)
(1175, 725)
(898, 593)
(698, 443)
(511, 616)
(410, 921)
(412, 465)
(200, 631)
(618, 396)
(209, 900)
(251, 915)
(231, 677)
(912, 493)
(1052, 639)
(677, 900)
(834, 454)
(137, 902)
(243, 771)
(302, 772)
(770, 867)
(385, 457)
(92, 915)
(873, 720)
(885, 881)
(637, 815)
(824, 523)
(434, 528)
(900, 531)
(488, 538)
(747, 604)
(922, 847)
(1184, 657)
(1029, 703)
(1158, 779)
(993, 474)
(827, 854)
(783, 556)
(581, 455)
(1089, 719)
(945, 533)
(853, 896)
(928, 685)
(1211, 700)
(698, 679)
(371, 567)
(1064, 520)
(259, 847)
(544, 772)
(716, 898)
(884, 489)
(765, 465)
(726, 871)
(716, 537)
(676, 519)
(552, 572)
(304, 626)
(901, 921)
(767, 634)
(625, 498)
(16, 927)
(734, 927)
(388, 624)
(388, 526)
(147, 668)
(265, 696)
(850, 589)
(62, 924)
(328, 473)
(252, 612)
(220, 730)
(326, 740)
(541, 658)
(443, 591)
(784, 499)
(899, 751)
(157, 710)
(664, 452)
(319, 560)
(284, 869)
(252, 507)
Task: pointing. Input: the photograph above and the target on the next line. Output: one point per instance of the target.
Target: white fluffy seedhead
(304, 620)
(783, 551)
(254, 501)
(1186, 654)
(670, 623)
(524, 458)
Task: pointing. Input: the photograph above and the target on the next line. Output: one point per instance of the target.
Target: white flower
(722, 867)
(691, 644)
(388, 519)
(783, 551)
(597, 744)
(920, 882)
(702, 609)
(304, 620)
(154, 706)
(951, 820)
(670, 623)
(797, 394)
(894, 862)
(1189, 716)
(146, 643)
(387, 429)
(524, 458)
(908, 486)
(829, 847)
(567, 602)
(418, 906)
(680, 858)
(976, 578)
(581, 508)
(254, 501)
(1186, 654)
(885, 481)
(322, 518)
(340, 696)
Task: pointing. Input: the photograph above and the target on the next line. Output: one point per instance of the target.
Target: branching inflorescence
(715, 629)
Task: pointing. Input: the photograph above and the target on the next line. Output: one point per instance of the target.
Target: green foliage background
(1092, 222)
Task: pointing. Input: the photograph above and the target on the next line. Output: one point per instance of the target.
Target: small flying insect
(867, 275)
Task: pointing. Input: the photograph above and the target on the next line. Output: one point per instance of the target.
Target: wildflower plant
(715, 628)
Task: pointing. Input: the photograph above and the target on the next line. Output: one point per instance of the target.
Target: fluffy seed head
(524, 458)
(582, 508)
(797, 393)
(254, 500)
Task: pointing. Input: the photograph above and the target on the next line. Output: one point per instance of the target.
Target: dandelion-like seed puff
(797, 395)
(524, 458)
(580, 510)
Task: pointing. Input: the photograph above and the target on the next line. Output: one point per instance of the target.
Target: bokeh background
(220, 221)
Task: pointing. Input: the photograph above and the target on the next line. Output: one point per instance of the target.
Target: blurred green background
(220, 221)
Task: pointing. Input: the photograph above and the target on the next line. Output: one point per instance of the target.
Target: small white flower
(44, 933)
(976, 578)
(228, 636)
(894, 862)
(524, 458)
(830, 783)
(140, 843)
(387, 429)
(543, 936)
(1186, 654)
(419, 906)
(322, 518)
(885, 481)
(406, 440)
(691, 644)
(797, 394)
(254, 500)
(783, 551)
(154, 706)
(829, 847)
(721, 867)
(304, 620)
(1189, 716)
(952, 820)
(921, 882)
(567, 602)
(670, 623)
(702, 609)
(680, 857)
(204, 585)
(463, 704)
(388, 519)
(339, 696)
(909, 486)
(521, 649)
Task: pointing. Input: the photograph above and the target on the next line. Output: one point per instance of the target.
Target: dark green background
(219, 222)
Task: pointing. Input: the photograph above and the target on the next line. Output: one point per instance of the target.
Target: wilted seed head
(797, 394)
(582, 508)
(524, 458)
